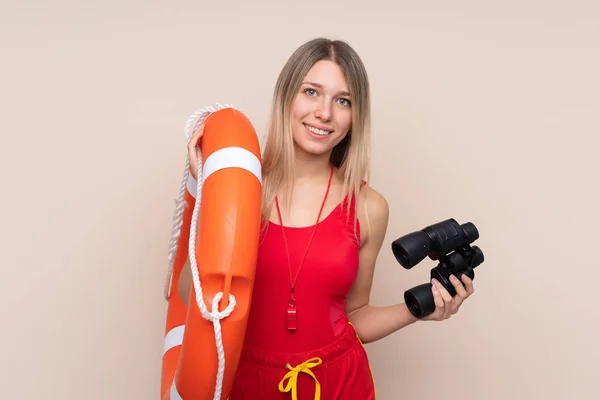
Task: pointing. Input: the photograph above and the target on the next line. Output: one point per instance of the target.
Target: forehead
(328, 75)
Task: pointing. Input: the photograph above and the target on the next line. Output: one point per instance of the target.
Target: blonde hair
(351, 155)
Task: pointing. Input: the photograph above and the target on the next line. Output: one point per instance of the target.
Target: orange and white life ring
(216, 229)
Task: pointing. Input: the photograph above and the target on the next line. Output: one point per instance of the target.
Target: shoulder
(373, 214)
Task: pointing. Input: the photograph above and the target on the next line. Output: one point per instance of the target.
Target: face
(321, 112)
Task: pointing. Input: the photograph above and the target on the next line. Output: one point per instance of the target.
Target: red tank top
(328, 273)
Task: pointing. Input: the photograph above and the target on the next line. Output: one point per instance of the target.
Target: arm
(184, 286)
(373, 323)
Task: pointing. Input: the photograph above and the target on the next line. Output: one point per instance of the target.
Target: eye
(310, 92)
(344, 102)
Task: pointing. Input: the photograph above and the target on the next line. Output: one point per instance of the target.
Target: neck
(310, 168)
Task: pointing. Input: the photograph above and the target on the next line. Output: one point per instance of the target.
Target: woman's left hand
(445, 305)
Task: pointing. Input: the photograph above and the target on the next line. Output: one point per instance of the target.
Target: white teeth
(317, 131)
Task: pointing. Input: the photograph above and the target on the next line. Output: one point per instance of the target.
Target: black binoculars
(446, 241)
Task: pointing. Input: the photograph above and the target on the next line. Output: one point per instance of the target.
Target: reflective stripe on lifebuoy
(203, 343)
(231, 157)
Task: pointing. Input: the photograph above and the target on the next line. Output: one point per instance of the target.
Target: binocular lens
(419, 300)
(411, 249)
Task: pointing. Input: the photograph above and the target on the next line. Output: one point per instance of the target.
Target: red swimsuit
(324, 353)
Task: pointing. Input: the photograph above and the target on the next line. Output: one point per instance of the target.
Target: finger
(458, 286)
(461, 294)
(200, 130)
(443, 292)
(194, 150)
(446, 298)
(196, 136)
(468, 284)
(438, 300)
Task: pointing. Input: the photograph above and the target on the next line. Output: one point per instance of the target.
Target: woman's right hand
(193, 147)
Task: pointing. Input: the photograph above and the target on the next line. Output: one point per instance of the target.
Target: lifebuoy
(216, 229)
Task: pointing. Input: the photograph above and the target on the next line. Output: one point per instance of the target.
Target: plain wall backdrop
(483, 111)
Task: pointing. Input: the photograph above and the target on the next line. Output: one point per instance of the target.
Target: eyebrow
(343, 93)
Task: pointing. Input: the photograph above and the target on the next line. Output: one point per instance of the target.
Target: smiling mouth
(317, 131)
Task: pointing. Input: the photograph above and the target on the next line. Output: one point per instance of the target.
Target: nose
(323, 110)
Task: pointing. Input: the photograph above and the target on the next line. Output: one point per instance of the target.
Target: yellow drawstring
(292, 378)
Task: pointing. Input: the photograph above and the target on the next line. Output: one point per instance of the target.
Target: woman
(323, 228)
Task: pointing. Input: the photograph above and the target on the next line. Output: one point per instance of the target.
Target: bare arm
(373, 323)
(184, 285)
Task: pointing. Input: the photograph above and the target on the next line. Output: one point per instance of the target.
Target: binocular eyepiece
(447, 242)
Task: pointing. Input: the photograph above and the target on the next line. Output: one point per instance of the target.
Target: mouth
(317, 131)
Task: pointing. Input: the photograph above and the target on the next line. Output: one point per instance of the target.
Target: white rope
(214, 315)
(180, 202)
(192, 123)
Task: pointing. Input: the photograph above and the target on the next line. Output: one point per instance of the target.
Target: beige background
(484, 111)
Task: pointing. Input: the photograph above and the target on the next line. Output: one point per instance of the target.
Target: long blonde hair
(351, 156)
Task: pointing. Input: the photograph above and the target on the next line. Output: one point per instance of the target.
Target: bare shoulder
(373, 214)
